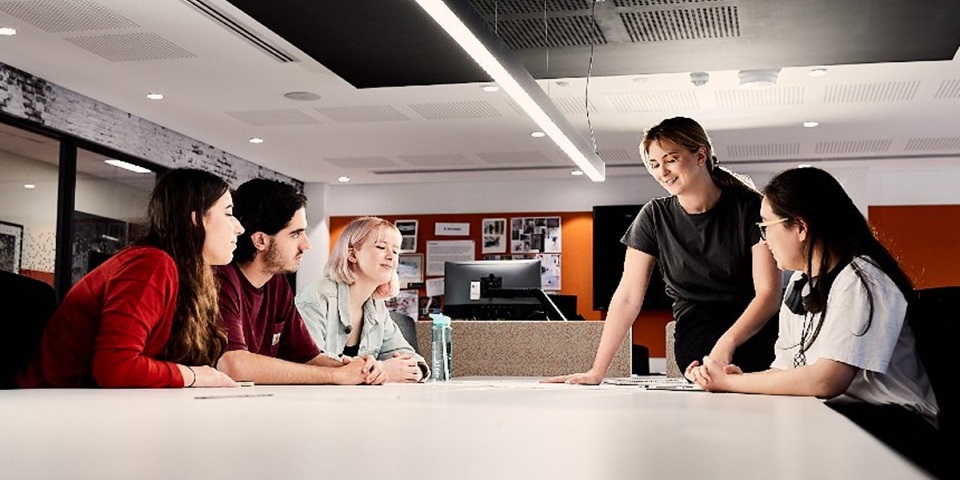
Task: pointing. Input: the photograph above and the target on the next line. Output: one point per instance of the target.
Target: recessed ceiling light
(491, 88)
(817, 72)
(343, 179)
(537, 134)
(29, 186)
(804, 165)
(155, 96)
(7, 31)
(127, 166)
(811, 124)
(256, 140)
(576, 173)
(302, 96)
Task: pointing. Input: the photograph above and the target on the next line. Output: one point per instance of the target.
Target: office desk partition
(481, 428)
(526, 348)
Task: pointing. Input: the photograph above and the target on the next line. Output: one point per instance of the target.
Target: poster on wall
(494, 235)
(410, 268)
(11, 246)
(407, 302)
(549, 271)
(441, 251)
(535, 235)
(408, 235)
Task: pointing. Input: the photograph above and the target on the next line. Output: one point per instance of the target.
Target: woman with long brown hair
(148, 317)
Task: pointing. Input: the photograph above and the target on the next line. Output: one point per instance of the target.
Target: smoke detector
(699, 79)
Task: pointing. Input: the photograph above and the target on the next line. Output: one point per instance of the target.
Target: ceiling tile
(266, 118)
(464, 110)
(66, 16)
(363, 114)
(131, 47)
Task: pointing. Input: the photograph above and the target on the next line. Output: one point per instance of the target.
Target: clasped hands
(711, 375)
(399, 368)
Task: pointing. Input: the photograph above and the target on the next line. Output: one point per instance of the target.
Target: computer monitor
(462, 277)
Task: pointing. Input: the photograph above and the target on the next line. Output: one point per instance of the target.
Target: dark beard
(274, 263)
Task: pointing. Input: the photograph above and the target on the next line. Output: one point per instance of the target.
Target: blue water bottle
(442, 355)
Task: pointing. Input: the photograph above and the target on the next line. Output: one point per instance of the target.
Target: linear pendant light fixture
(488, 51)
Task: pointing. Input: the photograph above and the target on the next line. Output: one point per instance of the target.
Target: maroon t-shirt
(263, 320)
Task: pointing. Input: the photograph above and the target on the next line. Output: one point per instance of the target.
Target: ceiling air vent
(567, 31)
(241, 30)
(948, 89)
(765, 151)
(933, 144)
(871, 92)
(509, 7)
(853, 146)
(67, 15)
(682, 24)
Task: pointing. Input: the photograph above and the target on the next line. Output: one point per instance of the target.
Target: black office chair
(28, 304)
(935, 318)
(408, 327)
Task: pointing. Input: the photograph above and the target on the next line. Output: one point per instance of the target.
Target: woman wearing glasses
(843, 334)
(723, 281)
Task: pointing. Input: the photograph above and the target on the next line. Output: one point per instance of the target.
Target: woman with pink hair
(345, 310)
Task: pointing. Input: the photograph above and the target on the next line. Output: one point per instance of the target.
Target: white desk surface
(481, 428)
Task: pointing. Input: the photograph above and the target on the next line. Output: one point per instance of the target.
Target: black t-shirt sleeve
(642, 233)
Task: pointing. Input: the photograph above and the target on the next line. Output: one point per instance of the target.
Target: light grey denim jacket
(325, 307)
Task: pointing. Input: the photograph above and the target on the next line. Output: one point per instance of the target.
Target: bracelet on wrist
(192, 382)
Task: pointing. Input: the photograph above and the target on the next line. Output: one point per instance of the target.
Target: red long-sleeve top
(112, 326)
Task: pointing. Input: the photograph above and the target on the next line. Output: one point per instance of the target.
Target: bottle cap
(440, 319)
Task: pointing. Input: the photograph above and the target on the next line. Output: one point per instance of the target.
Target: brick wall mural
(35, 99)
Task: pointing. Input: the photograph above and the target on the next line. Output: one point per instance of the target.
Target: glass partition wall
(29, 179)
(109, 208)
(66, 205)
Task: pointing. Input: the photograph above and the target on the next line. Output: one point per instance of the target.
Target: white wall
(318, 231)
(866, 185)
(905, 186)
(36, 209)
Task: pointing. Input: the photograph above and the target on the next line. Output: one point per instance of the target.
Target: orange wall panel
(45, 277)
(924, 238)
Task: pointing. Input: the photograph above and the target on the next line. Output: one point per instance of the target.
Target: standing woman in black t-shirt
(724, 283)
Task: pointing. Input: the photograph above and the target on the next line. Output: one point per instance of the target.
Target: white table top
(472, 428)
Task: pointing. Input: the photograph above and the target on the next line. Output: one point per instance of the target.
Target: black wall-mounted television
(609, 224)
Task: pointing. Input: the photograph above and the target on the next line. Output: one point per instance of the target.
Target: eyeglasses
(763, 226)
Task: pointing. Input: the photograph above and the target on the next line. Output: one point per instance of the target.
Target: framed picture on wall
(494, 231)
(410, 268)
(535, 235)
(11, 246)
(408, 235)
